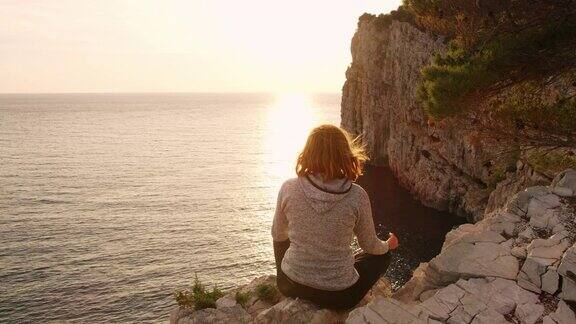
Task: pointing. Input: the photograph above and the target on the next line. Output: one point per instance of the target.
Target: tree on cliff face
(515, 57)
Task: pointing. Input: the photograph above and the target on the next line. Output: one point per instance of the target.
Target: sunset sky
(178, 45)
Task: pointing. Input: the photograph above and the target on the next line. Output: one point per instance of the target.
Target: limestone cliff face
(441, 164)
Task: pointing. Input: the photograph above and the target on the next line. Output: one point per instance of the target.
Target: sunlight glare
(289, 121)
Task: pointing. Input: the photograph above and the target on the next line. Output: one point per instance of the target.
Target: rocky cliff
(443, 164)
(517, 265)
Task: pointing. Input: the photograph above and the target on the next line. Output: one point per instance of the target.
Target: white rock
(519, 252)
(563, 192)
(527, 234)
(559, 228)
(568, 289)
(568, 263)
(444, 302)
(529, 313)
(470, 307)
(518, 204)
(565, 179)
(469, 259)
(550, 281)
(292, 310)
(550, 201)
(489, 316)
(530, 275)
(563, 314)
(539, 215)
(551, 248)
(386, 310)
(427, 294)
(229, 315)
(507, 228)
(226, 301)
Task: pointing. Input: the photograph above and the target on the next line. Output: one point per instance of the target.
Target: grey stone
(568, 263)
(566, 180)
(563, 192)
(228, 315)
(547, 250)
(387, 310)
(444, 302)
(296, 311)
(563, 314)
(550, 281)
(529, 313)
(551, 201)
(530, 275)
(519, 252)
(568, 289)
(527, 234)
(226, 301)
(469, 259)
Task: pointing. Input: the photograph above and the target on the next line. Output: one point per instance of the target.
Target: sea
(111, 202)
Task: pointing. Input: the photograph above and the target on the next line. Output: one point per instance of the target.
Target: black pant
(370, 268)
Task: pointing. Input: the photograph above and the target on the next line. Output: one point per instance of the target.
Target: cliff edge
(516, 265)
(442, 163)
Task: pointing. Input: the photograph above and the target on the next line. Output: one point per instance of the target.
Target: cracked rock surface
(506, 268)
(516, 265)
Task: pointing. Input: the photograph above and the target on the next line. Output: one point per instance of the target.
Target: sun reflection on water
(289, 121)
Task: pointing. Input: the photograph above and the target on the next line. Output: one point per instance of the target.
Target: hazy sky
(178, 45)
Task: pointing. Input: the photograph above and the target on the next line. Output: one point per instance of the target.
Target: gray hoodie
(321, 219)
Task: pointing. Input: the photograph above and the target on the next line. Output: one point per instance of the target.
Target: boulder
(228, 315)
(562, 315)
(298, 311)
(564, 184)
(478, 300)
(550, 281)
(476, 257)
(387, 310)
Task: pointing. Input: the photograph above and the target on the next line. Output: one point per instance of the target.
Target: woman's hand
(392, 242)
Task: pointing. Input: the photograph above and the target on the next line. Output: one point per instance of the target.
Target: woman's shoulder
(289, 184)
(358, 191)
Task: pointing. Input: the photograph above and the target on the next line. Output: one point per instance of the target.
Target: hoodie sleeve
(280, 222)
(364, 229)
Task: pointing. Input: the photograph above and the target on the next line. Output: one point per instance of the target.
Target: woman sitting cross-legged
(317, 216)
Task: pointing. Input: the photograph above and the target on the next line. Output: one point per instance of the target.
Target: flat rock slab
(298, 311)
(475, 256)
(478, 300)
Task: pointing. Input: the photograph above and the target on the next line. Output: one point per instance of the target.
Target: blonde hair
(332, 152)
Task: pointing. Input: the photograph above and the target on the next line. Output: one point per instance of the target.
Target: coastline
(517, 264)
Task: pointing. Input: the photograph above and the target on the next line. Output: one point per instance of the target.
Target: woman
(317, 215)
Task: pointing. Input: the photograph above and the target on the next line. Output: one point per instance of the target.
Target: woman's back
(321, 219)
(317, 215)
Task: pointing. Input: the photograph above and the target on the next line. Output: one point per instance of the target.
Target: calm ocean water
(108, 203)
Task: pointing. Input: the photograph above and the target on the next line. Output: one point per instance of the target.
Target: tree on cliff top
(516, 47)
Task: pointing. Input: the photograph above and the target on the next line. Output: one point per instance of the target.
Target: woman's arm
(365, 231)
(280, 230)
(280, 222)
(280, 249)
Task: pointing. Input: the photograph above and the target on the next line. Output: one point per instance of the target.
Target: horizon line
(168, 92)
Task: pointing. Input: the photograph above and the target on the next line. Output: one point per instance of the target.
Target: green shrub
(242, 298)
(198, 297)
(453, 82)
(525, 106)
(551, 162)
(497, 176)
(493, 45)
(267, 292)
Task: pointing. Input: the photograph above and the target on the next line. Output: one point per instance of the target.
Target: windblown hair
(332, 152)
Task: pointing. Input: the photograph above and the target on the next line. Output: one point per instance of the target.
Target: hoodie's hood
(323, 195)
